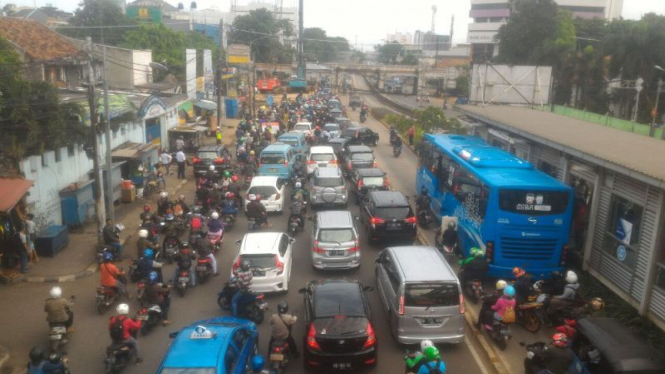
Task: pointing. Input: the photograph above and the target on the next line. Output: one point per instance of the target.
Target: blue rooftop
(277, 148)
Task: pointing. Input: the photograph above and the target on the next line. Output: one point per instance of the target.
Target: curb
(499, 364)
(88, 271)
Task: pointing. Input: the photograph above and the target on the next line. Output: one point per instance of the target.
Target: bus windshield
(533, 202)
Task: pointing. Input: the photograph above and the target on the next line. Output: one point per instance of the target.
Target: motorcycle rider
(553, 359)
(143, 242)
(423, 200)
(226, 179)
(235, 189)
(146, 264)
(203, 248)
(203, 195)
(215, 225)
(450, 238)
(111, 235)
(153, 233)
(393, 135)
(123, 329)
(257, 365)
(558, 302)
(229, 206)
(434, 362)
(180, 208)
(243, 281)
(523, 285)
(397, 144)
(148, 214)
(282, 325)
(298, 210)
(486, 313)
(473, 267)
(163, 203)
(185, 259)
(59, 310)
(257, 211)
(299, 168)
(158, 293)
(211, 174)
(170, 230)
(55, 364)
(298, 190)
(37, 361)
(111, 276)
(505, 303)
(417, 359)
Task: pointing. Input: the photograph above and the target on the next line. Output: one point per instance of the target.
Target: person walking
(31, 232)
(166, 159)
(23, 249)
(411, 132)
(180, 158)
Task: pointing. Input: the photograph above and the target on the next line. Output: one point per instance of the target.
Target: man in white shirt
(180, 157)
(166, 159)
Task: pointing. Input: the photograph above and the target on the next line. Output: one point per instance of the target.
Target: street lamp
(654, 113)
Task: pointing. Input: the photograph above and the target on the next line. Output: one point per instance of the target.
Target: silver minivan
(421, 295)
(335, 240)
(328, 187)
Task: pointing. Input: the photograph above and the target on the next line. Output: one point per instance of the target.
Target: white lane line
(475, 355)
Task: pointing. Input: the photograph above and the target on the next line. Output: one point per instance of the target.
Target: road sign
(238, 54)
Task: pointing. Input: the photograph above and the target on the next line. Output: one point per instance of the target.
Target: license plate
(183, 279)
(142, 317)
(272, 170)
(323, 165)
(55, 337)
(393, 226)
(58, 330)
(258, 273)
(432, 321)
(201, 268)
(276, 357)
(342, 365)
(336, 253)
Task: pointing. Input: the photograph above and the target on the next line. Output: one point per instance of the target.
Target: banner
(238, 54)
(208, 74)
(190, 68)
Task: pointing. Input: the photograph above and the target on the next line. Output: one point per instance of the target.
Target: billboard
(190, 72)
(238, 54)
(504, 84)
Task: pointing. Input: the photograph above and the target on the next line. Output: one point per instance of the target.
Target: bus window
(471, 193)
(533, 203)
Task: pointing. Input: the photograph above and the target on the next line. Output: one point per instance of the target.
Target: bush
(380, 113)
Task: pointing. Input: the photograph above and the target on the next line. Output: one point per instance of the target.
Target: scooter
(499, 332)
(118, 356)
(252, 224)
(229, 220)
(216, 239)
(397, 150)
(203, 269)
(183, 282)
(425, 217)
(171, 244)
(106, 296)
(279, 356)
(253, 309)
(295, 223)
(58, 335)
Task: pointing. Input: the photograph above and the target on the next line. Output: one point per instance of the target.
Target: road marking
(475, 355)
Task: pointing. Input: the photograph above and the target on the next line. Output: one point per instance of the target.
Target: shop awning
(11, 192)
(132, 150)
(206, 104)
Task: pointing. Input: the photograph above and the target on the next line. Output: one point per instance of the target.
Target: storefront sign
(482, 37)
(238, 54)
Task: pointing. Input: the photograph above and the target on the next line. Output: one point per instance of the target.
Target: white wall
(141, 64)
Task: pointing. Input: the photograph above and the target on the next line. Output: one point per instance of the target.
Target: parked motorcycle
(253, 309)
(58, 335)
(279, 356)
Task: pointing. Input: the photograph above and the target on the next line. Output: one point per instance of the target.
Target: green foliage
(258, 28)
(96, 13)
(410, 59)
(426, 121)
(389, 52)
(462, 85)
(167, 45)
(322, 48)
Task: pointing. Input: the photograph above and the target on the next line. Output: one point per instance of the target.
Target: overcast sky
(370, 20)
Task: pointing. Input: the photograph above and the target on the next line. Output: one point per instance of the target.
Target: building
(489, 15)
(619, 183)
(48, 16)
(150, 11)
(403, 38)
(429, 42)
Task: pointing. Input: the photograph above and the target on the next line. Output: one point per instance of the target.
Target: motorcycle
(363, 117)
(252, 225)
(253, 309)
(474, 289)
(149, 317)
(58, 335)
(295, 223)
(530, 315)
(279, 356)
(107, 296)
(215, 239)
(171, 244)
(397, 150)
(229, 220)
(533, 363)
(425, 217)
(499, 332)
(203, 269)
(118, 356)
(183, 281)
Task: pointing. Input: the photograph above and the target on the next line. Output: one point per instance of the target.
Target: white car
(304, 127)
(321, 156)
(270, 258)
(271, 190)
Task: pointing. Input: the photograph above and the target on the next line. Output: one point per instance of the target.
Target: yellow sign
(238, 59)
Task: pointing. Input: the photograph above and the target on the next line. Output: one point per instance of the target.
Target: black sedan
(340, 335)
(361, 135)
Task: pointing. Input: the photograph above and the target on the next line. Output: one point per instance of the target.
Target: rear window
(272, 158)
(392, 212)
(362, 156)
(188, 371)
(331, 127)
(302, 127)
(336, 236)
(533, 203)
(328, 182)
(322, 157)
(207, 155)
(373, 181)
(263, 261)
(350, 133)
(264, 191)
(334, 301)
(431, 295)
(290, 141)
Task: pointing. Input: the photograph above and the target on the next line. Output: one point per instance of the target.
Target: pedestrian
(180, 158)
(218, 136)
(411, 132)
(166, 159)
(23, 249)
(31, 232)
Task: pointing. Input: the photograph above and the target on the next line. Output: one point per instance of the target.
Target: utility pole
(92, 102)
(107, 136)
(654, 113)
(221, 64)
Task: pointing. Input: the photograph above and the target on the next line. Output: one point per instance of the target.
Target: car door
(242, 340)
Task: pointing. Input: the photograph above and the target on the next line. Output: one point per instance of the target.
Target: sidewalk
(77, 259)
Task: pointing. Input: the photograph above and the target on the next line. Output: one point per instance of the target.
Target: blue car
(223, 345)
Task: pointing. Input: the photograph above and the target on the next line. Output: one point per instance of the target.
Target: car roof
(208, 352)
(338, 140)
(260, 242)
(303, 123)
(264, 180)
(321, 149)
(276, 148)
(388, 198)
(410, 260)
(292, 134)
(370, 172)
(334, 284)
(208, 148)
(360, 149)
(334, 219)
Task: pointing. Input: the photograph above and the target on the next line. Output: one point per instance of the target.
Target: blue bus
(518, 214)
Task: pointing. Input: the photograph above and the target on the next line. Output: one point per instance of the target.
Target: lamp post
(654, 113)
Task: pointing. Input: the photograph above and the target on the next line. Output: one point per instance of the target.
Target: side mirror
(378, 261)
(368, 288)
(238, 241)
(292, 240)
(302, 290)
(173, 335)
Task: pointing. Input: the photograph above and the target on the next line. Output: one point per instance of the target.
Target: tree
(389, 52)
(94, 13)
(358, 56)
(409, 59)
(262, 30)
(426, 121)
(322, 48)
(462, 85)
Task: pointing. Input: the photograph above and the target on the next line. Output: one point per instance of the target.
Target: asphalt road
(23, 325)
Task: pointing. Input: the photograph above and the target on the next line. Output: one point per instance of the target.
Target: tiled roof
(39, 42)
(11, 192)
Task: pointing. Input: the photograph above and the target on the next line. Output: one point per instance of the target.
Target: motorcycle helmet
(251, 197)
(234, 178)
(108, 256)
(477, 252)
(298, 185)
(501, 285)
(251, 153)
(452, 225)
(214, 215)
(227, 173)
(560, 340)
(146, 208)
(122, 309)
(230, 195)
(169, 216)
(153, 277)
(571, 277)
(164, 194)
(424, 344)
(431, 353)
(55, 292)
(257, 363)
(245, 265)
(211, 167)
(143, 233)
(518, 272)
(509, 291)
(282, 307)
(597, 304)
(36, 354)
(148, 253)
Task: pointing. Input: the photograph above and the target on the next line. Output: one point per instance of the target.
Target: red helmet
(560, 340)
(234, 178)
(230, 195)
(146, 208)
(518, 272)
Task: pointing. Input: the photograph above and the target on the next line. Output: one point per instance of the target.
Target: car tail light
(279, 264)
(333, 162)
(410, 220)
(489, 250)
(376, 221)
(316, 247)
(360, 184)
(564, 255)
(401, 305)
(386, 183)
(371, 337)
(311, 162)
(196, 160)
(311, 338)
(260, 296)
(236, 265)
(461, 304)
(349, 165)
(356, 247)
(286, 163)
(218, 160)
(183, 274)
(344, 189)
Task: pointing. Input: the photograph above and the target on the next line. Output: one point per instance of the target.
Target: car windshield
(373, 181)
(336, 235)
(331, 127)
(272, 158)
(188, 371)
(322, 157)
(328, 182)
(533, 202)
(362, 156)
(261, 261)
(391, 213)
(301, 127)
(264, 191)
(336, 300)
(431, 295)
(290, 141)
(207, 155)
(350, 133)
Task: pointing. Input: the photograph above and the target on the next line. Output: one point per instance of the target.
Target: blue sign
(621, 253)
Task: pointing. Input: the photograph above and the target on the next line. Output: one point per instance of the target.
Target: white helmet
(211, 168)
(251, 197)
(56, 292)
(143, 234)
(122, 309)
(164, 194)
(501, 284)
(424, 344)
(298, 184)
(571, 277)
(214, 215)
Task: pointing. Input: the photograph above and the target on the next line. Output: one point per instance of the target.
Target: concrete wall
(141, 64)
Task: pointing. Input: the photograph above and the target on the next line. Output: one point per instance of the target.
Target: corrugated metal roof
(11, 192)
(621, 149)
(39, 42)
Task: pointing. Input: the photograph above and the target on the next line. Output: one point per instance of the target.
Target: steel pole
(110, 211)
(652, 131)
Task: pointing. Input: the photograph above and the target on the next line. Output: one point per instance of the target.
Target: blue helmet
(169, 216)
(149, 253)
(509, 291)
(153, 277)
(108, 256)
(257, 363)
